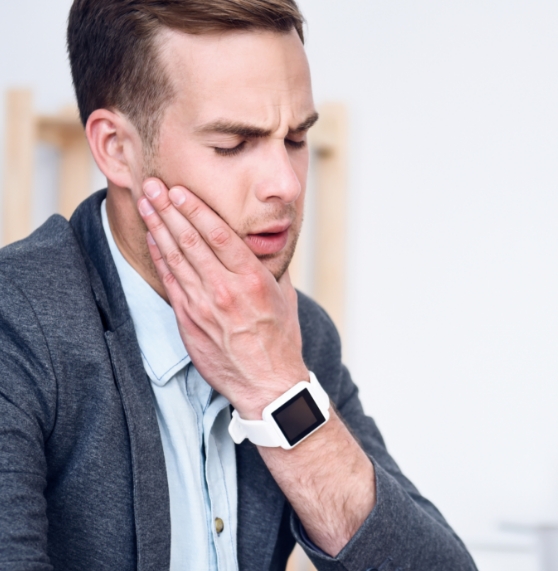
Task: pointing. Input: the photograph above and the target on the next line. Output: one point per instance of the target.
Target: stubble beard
(285, 257)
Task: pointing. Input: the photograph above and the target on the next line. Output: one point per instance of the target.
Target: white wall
(452, 307)
(453, 321)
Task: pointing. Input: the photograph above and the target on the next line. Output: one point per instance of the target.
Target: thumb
(287, 287)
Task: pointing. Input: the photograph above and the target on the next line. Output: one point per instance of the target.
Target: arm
(329, 481)
(241, 329)
(24, 420)
(404, 528)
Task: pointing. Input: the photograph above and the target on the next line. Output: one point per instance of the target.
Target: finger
(167, 248)
(287, 287)
(229, 248)
(177, 297)
(191, 242)
(285, 280)
(166, 277)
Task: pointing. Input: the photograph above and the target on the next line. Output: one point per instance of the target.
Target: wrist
(251, 403)
(288, 419)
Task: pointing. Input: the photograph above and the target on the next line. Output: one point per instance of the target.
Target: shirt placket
(222, 490)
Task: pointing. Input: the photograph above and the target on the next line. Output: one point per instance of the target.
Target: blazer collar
(88, 228)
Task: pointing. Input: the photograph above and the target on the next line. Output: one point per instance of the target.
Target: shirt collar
(161, 346)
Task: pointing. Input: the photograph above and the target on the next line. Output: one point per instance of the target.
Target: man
(124, 352)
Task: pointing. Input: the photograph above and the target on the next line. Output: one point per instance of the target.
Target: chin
(278, 264)
(278, 269)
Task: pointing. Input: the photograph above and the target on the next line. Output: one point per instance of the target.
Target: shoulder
(321, 344)
(31, 279)
(318, 329)
(48, 315)
(50, 247)
(46, 265)
(45, 291)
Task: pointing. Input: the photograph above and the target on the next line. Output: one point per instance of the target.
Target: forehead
(256, 76)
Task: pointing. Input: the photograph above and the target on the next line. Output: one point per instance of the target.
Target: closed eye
(224, 152)
(231, 152)
(295, 144)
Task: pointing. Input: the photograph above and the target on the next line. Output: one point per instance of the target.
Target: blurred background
(450, 300)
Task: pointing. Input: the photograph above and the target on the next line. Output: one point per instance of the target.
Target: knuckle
(205, 312)
(165, 207)
(194, 210)
(157, 225)
(223, 296)
(168, 279)
(188, 239)
(174, 258)
(220, 237)
(255, 284)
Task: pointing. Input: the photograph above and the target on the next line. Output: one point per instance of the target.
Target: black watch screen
(298, 417)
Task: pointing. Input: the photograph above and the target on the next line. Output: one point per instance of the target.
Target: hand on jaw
(240, 327)
(238, 323)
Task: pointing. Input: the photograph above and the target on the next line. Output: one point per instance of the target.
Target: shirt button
(219, 525)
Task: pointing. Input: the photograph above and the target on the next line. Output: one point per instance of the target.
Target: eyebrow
(247, 131)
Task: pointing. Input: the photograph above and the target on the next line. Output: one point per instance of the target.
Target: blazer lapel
(150, 489)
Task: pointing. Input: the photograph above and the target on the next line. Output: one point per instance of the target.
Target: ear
(116, 147)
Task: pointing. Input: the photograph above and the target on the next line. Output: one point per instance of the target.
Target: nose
(276, 177)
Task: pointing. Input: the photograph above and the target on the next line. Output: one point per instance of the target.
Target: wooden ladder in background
(25, 129)
(328, 141)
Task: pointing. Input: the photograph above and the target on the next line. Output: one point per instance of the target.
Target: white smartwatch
(288, 420)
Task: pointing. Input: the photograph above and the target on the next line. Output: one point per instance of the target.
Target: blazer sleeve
(404, 531)
(27, 407)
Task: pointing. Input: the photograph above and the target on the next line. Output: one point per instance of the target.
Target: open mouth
(266, 243)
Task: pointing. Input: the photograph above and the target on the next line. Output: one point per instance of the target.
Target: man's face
(235, 133)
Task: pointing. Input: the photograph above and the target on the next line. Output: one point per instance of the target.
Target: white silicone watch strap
(264, 433)
(258, 432)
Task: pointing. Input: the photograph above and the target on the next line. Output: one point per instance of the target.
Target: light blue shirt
(193, 420)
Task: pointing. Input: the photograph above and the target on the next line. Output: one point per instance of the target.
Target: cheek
(218, 184)
(223, 188)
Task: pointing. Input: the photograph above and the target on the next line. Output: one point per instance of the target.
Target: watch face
(298, 417)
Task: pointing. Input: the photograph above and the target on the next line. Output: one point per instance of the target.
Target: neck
(129, 233)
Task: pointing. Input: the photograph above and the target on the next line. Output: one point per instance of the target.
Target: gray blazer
(82, 474)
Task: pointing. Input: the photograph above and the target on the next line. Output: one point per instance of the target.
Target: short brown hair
(113, 51)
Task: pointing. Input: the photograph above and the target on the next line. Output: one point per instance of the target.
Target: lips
(270, 241)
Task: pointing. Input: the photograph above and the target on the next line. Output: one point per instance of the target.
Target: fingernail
(150, 239)
(177, 196)
(145, 207)
(152, 189)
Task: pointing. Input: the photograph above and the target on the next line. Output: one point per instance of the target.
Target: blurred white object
(547, 540)
(546, 535)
